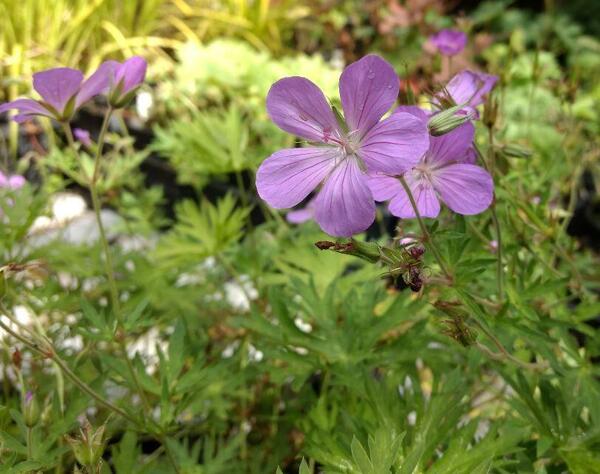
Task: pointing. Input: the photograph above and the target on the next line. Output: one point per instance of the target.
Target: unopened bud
(31, 410)
(456, 327)
(416, 252)
(490, 112)
(447, 120)
(366, 250)
(512, 150)
(88, 448)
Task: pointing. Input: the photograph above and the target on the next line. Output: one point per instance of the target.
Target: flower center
(350, 143)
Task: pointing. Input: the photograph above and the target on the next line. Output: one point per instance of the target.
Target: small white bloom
(302, 325)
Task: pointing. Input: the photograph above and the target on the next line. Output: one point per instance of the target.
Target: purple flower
(28, 397)
(470, 88)
(125, 78)
(449, 42)
(342, 152)
(82, 136)
(13, 182)
(300, 216)
(440, 174)
(63, 91)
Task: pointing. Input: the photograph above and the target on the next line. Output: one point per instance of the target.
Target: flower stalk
(426, 235)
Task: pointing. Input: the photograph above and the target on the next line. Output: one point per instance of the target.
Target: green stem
(490, 167)
(499, 265)
(108, 262)
(100, 146)
(29, 443)
(109, 269)
(504, 354)
(69, 134)
(426, 235)
(50, 353)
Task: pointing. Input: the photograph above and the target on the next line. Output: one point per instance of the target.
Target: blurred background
(212, 63)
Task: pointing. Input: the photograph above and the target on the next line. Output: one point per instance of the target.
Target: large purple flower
(62, 92)
(442, 173)
(343, 153)
(449, 42)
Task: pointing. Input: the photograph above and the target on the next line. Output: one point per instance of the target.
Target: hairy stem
(49, 352)
(504, 354)
(29, 443)
(490, 166)
(426, 235)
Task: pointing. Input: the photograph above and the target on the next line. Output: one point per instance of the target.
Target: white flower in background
(23, 315)
(67, 206)
(302, 325)
(143, 104)
(146, 347)
(483, 428)
(238, 295)
(254, 355)
(230, 350)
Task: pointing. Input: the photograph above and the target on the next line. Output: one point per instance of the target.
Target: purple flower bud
(416, 252)
(449, 42)
(31, 410)
(82, 136)
(126, 77)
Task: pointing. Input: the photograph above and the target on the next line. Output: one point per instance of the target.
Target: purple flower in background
(63, 91)
(82, 136)
(342, 153)
(300, 216)
(470, 88)
(440, 174)
(449, 42)
(13, 182)
(125, 78)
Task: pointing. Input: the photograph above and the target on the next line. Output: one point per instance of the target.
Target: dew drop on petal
(371, 74)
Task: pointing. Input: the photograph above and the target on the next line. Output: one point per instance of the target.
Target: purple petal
(57, 86)
(395, 144)
(452, 146)
(423, 194)
(418, 112)
(345, 205)
(97, 83)
(300, 216)
(470, 156)
(26, 108)
(299, 107)
(368, 88)
(469, 87)
(16, 181)
(82, 136)
(449, 42)
(285, 178)
(383, 187)
(13, 182)
(132, 72)
(466, 189)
